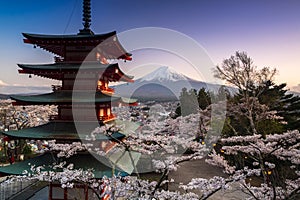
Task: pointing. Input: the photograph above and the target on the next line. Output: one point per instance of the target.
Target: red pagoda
(83, 65)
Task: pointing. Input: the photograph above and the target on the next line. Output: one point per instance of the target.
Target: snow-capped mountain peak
(164, 74)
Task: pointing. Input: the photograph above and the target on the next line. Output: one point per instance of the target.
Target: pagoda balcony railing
(104, 89)
(106, 118)
(85, 118)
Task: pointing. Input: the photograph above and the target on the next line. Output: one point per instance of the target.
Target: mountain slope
(163, 74)
(163, 84)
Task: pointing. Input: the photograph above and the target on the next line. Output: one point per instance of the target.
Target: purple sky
(268, 30)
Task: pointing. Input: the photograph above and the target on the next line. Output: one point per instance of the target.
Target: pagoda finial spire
(86, 14)
(86, 18)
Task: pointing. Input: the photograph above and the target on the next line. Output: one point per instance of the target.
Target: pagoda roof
(68, 66)
(110, 45)
(56, 70)
(81, 160)
(34, 36)
(63, 97)
(59, 130)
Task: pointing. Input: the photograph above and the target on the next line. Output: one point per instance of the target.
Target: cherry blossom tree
(19, 117)
(168, 139)
(164, 140)
(265, 156)
(240, 72)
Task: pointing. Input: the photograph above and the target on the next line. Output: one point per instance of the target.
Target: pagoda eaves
(83, 161)
(67, 97)
(60, 71)
(61, 45)
(61, 131)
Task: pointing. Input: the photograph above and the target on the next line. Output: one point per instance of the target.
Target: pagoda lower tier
(81, 160)
(115, 161)
(62, 131)
(89, 105)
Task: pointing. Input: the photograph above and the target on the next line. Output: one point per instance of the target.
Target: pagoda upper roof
(109, 43)
(56, 70)
(34, 36)
(81, 160)
(62, 131)
(68, 66)
(63, 97)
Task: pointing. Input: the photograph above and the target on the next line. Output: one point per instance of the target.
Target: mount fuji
(163, 74)
(163, 84)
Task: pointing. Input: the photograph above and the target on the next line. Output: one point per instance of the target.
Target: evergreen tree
(204, 98)
(191, 101)
(287, 105)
